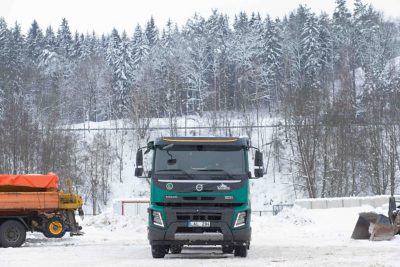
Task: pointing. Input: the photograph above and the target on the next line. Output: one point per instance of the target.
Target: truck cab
(199, 193)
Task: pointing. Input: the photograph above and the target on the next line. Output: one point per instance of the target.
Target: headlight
(157, 218)
(240, 219)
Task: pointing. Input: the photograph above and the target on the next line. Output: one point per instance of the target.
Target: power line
(222, 127)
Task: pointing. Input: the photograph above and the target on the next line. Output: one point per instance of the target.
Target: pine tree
(124, 72)
(87, 45)
(49, 61)
(50, 41)
(365, 26)
(16, 59)
(4, 46)
(218, 33)
(64, 40)
(167, 36)
(255, 20)
(151, 33)
(119, 57)
(194, 34)
(272, 52)
(326, 54)
(113, 44)
(341, 30)
(241, 23)
(311, 47)
(76, 51)
(34, 42)
(4, 51)
(344, 57)
(140, 47)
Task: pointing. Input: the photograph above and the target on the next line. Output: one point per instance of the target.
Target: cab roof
(195, 140)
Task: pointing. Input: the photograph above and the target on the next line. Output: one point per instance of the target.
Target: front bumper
(221, 230)
(170, 236)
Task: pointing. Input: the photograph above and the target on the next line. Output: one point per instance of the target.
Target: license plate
(199, 224)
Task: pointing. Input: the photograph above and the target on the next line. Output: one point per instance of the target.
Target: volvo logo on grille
(169, 186)
(223, 187)
(199, 187)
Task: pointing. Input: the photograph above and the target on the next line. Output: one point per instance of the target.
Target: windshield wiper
(217, 170)
(176, 170)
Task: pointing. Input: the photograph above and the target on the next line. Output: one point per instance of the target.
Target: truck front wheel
(54, 228)
(158, 251)
(227, 249)
(241, 251)
(12, 234)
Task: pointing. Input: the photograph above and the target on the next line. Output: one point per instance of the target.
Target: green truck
(199, 193)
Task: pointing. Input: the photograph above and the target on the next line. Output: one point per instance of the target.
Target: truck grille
(197, 204)
(183, 216)
(198, 198)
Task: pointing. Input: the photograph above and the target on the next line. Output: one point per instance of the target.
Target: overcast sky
(102, 16)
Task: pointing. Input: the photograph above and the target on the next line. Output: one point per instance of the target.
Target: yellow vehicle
(33, 203)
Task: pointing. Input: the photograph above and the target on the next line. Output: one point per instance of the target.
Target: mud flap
(373, 226)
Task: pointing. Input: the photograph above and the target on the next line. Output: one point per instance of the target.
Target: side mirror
(139, 163)
(139, 158)
(258, 173)
(258, 159)
(258, 164)
(138, 172)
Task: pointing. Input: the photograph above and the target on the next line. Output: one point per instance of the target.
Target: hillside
(276, 187)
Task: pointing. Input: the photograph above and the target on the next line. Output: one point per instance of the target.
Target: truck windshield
(199, 159)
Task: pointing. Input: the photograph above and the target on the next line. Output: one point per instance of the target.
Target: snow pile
(112, 222)
(296, 215)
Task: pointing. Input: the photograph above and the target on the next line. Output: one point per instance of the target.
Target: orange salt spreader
(32, 202)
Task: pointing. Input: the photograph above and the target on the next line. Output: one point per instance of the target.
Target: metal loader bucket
(373, 226)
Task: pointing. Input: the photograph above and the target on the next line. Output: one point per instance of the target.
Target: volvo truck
(199, 192)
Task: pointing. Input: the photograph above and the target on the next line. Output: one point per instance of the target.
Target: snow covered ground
(295, 237)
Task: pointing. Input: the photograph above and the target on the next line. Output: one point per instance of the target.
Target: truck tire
(241, 251)
(176, 249)
(227, 249)
(12, 234)
(158, 251)
(54, 228)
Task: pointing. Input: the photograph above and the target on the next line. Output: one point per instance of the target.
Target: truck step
(199, 236)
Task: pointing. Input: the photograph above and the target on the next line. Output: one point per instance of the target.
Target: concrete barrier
(334, 203)
(343, 202)
(381, 200)
(368, 201)
(349, 202)
(304, 203)
(319, 203)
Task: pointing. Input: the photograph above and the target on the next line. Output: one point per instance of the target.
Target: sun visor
(218, 141)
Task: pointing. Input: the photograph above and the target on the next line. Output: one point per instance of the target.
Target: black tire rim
(12, 234)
